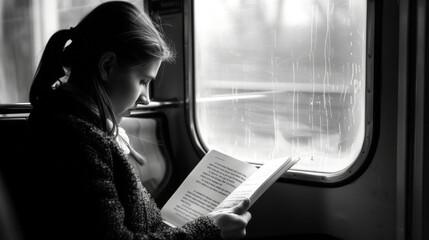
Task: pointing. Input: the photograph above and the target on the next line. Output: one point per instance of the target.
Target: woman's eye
(144, 81)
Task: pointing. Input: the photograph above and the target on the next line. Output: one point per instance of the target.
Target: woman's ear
(106, 65)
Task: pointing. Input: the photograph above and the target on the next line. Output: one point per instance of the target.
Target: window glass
(281, 77)
(25, 28)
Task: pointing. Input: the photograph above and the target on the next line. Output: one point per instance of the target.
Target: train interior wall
(372, 204)
(362, 209)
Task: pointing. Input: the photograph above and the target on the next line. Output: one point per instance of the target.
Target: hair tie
(72, 32)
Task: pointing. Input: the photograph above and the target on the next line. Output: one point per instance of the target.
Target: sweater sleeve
(109, 214)
(200, 228)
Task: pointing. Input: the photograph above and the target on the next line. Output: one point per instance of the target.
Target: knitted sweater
(83, 186)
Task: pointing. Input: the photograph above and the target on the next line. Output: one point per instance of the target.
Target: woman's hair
(117, 27)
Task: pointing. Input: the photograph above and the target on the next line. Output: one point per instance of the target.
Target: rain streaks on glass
(282, 77)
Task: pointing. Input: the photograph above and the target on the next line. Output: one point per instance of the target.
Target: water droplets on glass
(277, 78)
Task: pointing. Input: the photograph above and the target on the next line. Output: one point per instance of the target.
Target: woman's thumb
(242, 207)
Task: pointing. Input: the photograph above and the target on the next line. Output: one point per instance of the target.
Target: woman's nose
(144, 96)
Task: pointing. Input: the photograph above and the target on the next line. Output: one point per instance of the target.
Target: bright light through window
(282, 77)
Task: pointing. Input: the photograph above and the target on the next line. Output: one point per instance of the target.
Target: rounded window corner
(225, 93)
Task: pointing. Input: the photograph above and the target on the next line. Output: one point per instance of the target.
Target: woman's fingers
(233, 226)
(242, 207)
(233, 221)
(246, 217)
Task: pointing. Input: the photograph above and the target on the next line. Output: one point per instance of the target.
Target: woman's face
(127, 87)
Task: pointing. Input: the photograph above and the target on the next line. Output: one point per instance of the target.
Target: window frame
(298, 176)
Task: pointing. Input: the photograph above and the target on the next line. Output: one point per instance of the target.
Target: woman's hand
(232, 222)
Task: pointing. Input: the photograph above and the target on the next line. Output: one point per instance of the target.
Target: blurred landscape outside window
(282, 77)
(25, 28)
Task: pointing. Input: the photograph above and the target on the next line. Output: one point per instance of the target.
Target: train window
(25, 28)
(281, 77)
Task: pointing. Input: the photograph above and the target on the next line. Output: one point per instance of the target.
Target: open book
(219, 182)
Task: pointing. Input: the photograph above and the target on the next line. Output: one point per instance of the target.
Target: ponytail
(50, 68)
(116, 26)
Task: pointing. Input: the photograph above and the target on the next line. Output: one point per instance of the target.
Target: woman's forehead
(150, 69)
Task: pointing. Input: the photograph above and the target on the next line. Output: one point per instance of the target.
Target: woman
(83, 187)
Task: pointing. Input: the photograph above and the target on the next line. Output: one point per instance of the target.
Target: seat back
(13, 159)
(148, 135)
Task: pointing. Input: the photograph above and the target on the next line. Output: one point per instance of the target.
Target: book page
(209, 183)
(256, 184)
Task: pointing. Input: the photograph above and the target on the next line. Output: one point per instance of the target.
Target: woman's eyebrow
(151, 78)
(145, 76)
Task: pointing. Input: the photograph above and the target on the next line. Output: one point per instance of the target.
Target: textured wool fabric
(83, 185)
